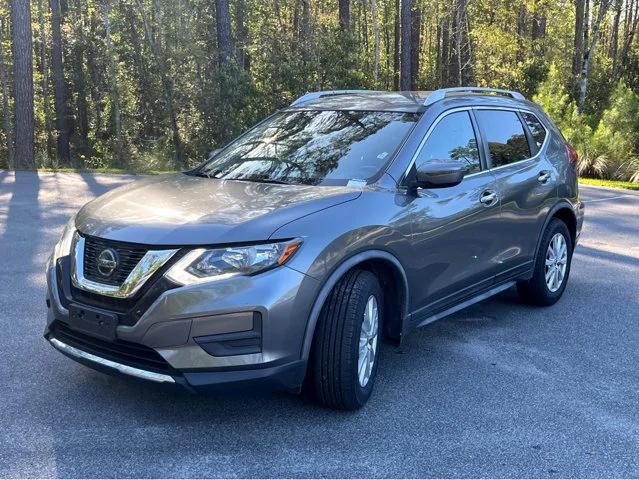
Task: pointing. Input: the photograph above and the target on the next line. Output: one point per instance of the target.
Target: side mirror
(438, 174)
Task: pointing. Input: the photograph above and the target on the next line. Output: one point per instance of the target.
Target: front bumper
(282, 377)
(238, 332)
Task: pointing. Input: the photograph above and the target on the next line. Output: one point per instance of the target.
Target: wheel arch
(565, 212)
(393, 278)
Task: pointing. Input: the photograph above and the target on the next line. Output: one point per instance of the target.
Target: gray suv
(287, 256)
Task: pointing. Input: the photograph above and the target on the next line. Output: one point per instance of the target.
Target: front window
(313, 148)
(453, 139)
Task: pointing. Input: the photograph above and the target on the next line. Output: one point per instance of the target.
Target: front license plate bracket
(97, 323)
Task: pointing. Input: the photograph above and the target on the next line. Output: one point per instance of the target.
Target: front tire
(345, 354)
(552, 267)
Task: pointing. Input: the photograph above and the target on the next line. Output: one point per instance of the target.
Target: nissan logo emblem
(107, 262)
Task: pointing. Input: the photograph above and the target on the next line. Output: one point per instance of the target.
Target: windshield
(313, 148)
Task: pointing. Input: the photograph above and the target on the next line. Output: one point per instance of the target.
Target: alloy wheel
(368, 341)
(556, 262)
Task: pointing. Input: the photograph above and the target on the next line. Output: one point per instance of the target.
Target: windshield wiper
(202, 173)
(263, 180)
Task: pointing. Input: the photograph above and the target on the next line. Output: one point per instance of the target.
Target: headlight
(203, 265)
(63, 247)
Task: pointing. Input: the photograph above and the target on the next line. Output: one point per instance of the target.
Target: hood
(187, 210)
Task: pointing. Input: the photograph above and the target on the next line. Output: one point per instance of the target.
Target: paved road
(498, 390)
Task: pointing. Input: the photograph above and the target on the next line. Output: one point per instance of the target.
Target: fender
(555, 208)
(332, 280)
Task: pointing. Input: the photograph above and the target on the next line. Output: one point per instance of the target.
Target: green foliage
(617, 136)
(157, 97)
(608, 150)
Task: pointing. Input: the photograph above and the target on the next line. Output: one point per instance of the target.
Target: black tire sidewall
(335, 352)
(373, 288)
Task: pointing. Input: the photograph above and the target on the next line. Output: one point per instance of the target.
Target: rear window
(536, 128)
(505, 136)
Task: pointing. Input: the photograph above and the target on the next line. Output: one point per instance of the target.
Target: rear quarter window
(536, 128)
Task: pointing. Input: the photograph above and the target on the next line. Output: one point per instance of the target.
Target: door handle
(544, 176)
(488, 198)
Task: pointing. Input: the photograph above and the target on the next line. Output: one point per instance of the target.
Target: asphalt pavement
(498, 390)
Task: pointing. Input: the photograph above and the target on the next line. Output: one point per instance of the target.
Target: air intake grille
(126, 353)
(127, 258)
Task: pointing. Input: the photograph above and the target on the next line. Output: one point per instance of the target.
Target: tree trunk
(113, 82)
(242, 34)
(415, 43)
(577, 59)
(453, 73)
(60, 91)
(445, 55)
(538, 33)
(613, 49)
(387, 45)
(406, 15)
(396, 48)
(145, 84)
(167, 81)
(364, 36)
(469, 62)
(590, 48)
(44, 67)
(586, 24)
(223, 24)
(460, 48)
(438, 55)
(344, 15)
(375, 40)
(6, 114)
(96, 79)
(521, 28)
(22, 50)
(539, 21)
(631, 23)
(79, 80)
(305, 30)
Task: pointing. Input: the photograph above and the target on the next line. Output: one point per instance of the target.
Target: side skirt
(466, 303)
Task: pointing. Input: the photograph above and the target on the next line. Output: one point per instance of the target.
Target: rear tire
(346, 337)
(552, 267)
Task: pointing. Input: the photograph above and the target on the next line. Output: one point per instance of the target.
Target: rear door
(454, 240)
(514, 144)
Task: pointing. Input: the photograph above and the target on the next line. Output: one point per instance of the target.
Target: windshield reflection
(313, 148)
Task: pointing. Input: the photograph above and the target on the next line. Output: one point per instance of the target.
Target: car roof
(363, 100)
(404, 101)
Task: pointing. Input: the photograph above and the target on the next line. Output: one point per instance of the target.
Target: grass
(609, 183)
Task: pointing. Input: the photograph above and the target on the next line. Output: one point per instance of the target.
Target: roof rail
(310, 96)
(444, 92)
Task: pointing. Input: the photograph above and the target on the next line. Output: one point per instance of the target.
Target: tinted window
(453, 138)
(536, 128)
(505, 136)
(313, 147)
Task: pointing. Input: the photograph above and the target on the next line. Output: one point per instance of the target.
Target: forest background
(143, 85)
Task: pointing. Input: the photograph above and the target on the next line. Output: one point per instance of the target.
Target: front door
(454, 241)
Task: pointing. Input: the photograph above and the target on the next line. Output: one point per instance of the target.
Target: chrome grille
(128, 257)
